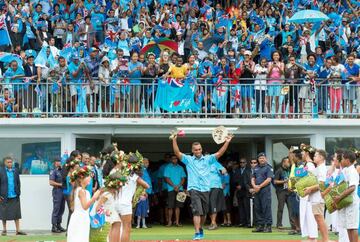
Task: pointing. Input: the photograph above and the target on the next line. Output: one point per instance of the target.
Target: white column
(317, 141)
(268, 149)
(67, 142)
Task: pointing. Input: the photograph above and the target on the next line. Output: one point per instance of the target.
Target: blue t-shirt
(175, 173)
(135, 74)
(198, 171)
(97, 19)
(225, 179)
(352, 71)
(73, 68)
(147, 179)
(215, 175)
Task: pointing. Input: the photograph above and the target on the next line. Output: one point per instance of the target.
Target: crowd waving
(65, 58)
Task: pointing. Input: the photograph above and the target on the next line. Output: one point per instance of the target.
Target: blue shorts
(247, 91)
(274, 90)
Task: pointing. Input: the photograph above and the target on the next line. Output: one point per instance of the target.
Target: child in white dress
(79, 225)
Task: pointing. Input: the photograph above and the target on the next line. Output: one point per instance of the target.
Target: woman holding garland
(308, 223)
(118, 165)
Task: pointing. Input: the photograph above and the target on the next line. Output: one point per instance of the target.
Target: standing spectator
(281, 180)
(216, 196)
(225, 179)
(242, 196)
(250, 190)
(247, 68)
(292, 74)
(92, 91)
(352, 70)
(10, 196)
(86, 32)
(30, 70)
(135, 68)
(261, 72)
(261, 183)
(174, 175)
(58, 197)
(275, 73)
(104, 80)
(335, 89)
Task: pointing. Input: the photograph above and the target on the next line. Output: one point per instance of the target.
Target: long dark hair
(65, 169)
(109, 163)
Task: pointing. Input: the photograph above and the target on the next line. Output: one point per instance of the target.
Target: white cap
(247, 52)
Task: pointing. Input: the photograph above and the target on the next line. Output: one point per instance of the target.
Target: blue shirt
(198, 171)
(225, 179)
(215, 175)
(352, 71)
(11, 183)
(147, 179)
(67, 190)
(73, 68)
(160, 175)
(263, 172)
(175, 173)
(135, 74)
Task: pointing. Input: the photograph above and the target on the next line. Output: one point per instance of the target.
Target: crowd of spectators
(76, 49)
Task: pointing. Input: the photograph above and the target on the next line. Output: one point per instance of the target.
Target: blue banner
(173, 98)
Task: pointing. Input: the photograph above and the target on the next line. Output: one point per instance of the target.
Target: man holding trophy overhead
(197, 166)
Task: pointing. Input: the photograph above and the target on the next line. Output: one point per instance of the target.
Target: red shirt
(235, 80)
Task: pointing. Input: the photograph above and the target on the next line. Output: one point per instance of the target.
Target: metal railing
(123, 99)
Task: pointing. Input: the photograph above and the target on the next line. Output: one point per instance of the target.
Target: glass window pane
(31, 155)
(91, 146)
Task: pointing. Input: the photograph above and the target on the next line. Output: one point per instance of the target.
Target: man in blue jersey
(197, 167)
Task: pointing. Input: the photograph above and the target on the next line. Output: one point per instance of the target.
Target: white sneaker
(144, 227)
(138, 227)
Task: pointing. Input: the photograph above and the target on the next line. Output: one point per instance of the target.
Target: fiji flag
(219, 95)
(174, 82)
(4, 34)
(235, 96)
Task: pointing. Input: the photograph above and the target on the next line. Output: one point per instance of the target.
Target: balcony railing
(122, 99)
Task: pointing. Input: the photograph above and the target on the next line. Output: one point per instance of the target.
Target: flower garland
(307, 148)
(116, 179)
(72, 164)
(80, 172)
(132, 162)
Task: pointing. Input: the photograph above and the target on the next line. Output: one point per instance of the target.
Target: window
(33, 156)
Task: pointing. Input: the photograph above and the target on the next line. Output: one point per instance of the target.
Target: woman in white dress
(308, 223)
(79, 225)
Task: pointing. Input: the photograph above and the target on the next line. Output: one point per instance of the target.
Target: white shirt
(352, 178)
(127, 192)
(320, 173)
(261, 73)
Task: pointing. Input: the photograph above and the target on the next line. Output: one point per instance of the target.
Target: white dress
(308, 223)
(79, 225)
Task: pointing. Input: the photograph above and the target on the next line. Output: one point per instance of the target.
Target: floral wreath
(72, 164)
(116, 155)
(132, 162)
(80, 173)
(307, 148)
(116, 180)
(356, 152)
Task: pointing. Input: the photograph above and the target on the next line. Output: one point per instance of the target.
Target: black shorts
(163, 198)
(217, 200)
(199, 202)
(172, 202)
(228, 204)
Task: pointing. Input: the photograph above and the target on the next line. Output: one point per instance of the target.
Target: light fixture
(204, 128)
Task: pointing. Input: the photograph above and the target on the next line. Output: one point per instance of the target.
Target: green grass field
(158, 233)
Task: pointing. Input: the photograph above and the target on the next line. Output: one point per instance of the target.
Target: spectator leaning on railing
(197, 32)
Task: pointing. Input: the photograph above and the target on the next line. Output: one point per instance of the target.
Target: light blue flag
(44, 60)
(173, 99)
(81, 105)
(219, 97)
(66, 53)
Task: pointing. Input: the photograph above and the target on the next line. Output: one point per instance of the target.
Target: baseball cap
(92, 49)
(261, 154)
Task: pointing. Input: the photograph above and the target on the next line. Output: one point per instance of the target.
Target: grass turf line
(158, 233)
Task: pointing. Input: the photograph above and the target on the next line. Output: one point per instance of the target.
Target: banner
(173, 95)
